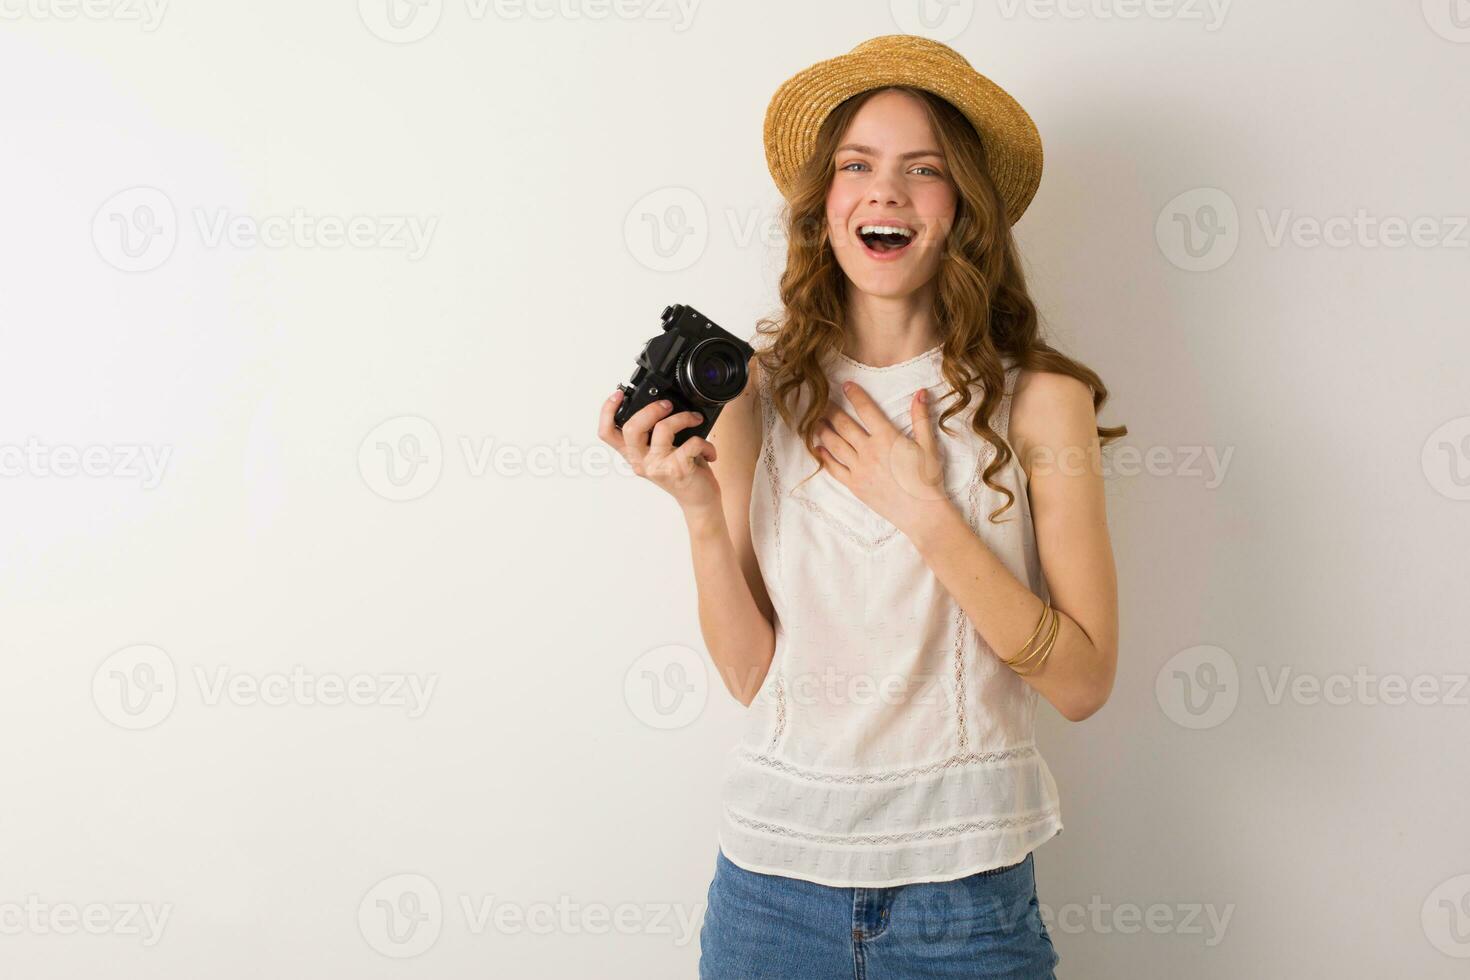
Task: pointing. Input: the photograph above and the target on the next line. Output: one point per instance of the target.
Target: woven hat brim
(1011, 139)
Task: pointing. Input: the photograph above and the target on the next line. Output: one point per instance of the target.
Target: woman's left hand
(900, 478)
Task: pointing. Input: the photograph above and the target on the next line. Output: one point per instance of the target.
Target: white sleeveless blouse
(887, 744)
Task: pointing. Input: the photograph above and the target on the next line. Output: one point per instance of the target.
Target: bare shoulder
(1051, 412)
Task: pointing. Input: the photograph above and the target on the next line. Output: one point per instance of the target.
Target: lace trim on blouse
(890, 775)
(932, 833)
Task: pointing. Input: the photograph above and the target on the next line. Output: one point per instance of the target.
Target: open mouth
(883, 239)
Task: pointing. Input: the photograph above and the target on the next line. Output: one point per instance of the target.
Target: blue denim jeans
(771, 927)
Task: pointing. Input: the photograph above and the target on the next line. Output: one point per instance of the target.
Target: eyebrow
(902, 156)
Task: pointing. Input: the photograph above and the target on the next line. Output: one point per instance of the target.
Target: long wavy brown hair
(982, 307)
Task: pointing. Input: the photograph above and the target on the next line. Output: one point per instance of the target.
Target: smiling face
(890, 175)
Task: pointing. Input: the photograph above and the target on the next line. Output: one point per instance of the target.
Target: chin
(885, 290)
(886, 283)
(888, 287)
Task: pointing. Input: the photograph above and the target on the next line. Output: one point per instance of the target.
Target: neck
(883, 330)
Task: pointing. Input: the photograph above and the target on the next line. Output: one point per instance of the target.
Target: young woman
(900, 545)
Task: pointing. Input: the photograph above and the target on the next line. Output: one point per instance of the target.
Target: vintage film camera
(695, 363)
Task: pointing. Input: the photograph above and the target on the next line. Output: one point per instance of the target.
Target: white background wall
(1303, 517)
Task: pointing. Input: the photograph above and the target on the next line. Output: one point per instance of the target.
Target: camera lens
(714, 371)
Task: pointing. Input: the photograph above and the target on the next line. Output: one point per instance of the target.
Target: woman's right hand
(683, 472)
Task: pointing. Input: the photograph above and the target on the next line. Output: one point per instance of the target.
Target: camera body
(694, 363)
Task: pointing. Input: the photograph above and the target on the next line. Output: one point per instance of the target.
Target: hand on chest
(870, 434)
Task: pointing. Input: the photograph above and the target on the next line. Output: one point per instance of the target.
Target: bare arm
(734, 609)
(735, 613)
(1054, 432)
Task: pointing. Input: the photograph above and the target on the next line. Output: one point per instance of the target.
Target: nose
(885, 190)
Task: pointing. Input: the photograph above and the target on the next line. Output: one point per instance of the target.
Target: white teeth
(886, 230)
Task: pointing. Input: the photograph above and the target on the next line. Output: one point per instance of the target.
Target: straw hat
(803, 101)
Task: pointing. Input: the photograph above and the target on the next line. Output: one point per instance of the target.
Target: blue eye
(922, 166)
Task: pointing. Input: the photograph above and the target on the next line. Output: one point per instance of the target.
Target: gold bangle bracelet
(1019, 661)
(1044, 626)
(1050, 642)
(1034, 634)
(1035, 667)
